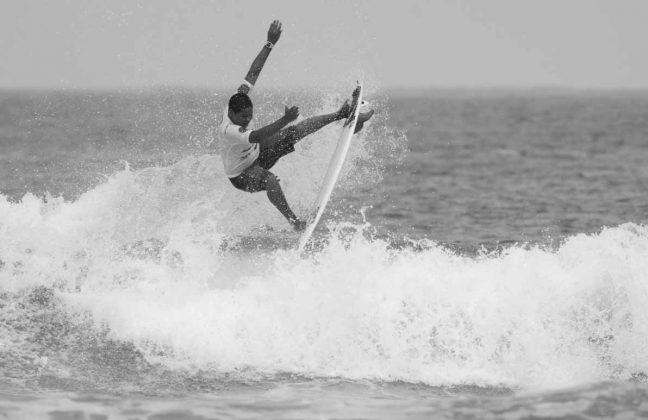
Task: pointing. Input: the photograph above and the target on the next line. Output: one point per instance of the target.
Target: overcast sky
(389, 43)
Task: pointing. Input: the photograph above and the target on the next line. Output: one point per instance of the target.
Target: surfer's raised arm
(274, 33)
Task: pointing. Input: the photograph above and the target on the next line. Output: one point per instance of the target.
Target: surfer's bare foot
(362, 118)
(298, 224)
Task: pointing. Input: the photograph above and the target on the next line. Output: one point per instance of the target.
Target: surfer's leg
(289, 136)
(283, 143)
(278, 199)
(255, 179)
(313, 124)
(296, 132)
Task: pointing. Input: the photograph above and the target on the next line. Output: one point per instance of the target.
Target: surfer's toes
(298, 224)
(362, 118)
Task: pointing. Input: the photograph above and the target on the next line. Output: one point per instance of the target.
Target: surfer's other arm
(274, 33)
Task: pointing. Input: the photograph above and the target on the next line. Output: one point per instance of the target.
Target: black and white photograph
(323, 209)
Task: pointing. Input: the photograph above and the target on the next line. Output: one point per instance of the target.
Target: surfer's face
(242, 118)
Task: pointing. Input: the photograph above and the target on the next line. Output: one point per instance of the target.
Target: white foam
(528, 317)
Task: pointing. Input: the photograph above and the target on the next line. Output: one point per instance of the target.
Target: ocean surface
(484, 256)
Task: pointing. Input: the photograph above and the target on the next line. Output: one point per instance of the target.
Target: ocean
(484, 256)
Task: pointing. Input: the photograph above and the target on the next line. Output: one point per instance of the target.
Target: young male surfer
(248, 155)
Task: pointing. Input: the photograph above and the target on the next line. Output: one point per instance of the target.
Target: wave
(138, 279)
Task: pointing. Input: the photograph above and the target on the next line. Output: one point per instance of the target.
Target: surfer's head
(240, 109)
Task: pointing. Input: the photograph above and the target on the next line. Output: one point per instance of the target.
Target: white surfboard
(333, 170)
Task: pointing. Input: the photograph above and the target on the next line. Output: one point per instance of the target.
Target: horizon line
(384, 88)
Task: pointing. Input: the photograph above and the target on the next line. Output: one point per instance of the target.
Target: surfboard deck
(333, 170)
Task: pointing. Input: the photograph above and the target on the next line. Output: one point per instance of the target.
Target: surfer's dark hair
(239, 102)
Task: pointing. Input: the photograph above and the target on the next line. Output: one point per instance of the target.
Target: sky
(388, 43)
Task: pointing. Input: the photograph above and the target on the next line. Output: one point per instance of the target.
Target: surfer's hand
(291, 113)
(274, 32)
(356, 92)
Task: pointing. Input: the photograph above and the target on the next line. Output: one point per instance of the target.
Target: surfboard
(333, 170)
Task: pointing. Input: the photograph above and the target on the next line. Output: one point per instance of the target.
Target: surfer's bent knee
(271, 181)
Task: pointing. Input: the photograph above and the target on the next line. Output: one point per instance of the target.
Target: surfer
(248, 155)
